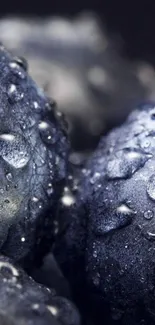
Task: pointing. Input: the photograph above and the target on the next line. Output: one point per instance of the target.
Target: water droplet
(67, 199)
(125, 163)
(95, 177)
(148, 214)
(150, 235)
(53, 310)
(14, 93)
(14, 150)
(35, 306)
(35, 199)
(62, 120)
(36, 106)
(151, 187)
(96, 279)
(9, 177)
(48, 132)
(50, 191)
(16, 70)
(56, 227)
(95, 253)
(36, 205)
(21, 62)
(146, 143)
(124, 215)
(153, 116)
(120, 217)
(6, 201)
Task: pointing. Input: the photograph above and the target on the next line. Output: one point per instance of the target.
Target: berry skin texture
(23, 301)
(118, 198)
(33, 154)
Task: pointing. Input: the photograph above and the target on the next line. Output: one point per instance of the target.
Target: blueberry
(107, 250)
(23, 301)
(33, 155)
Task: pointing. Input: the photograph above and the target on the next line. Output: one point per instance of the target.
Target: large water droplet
(124, 163)
(14, 150)
(15, 94)
(149, 214)
(121, 217)
(151, 187)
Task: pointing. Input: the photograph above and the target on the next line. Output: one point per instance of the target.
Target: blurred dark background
(133, 20)
(95, 88)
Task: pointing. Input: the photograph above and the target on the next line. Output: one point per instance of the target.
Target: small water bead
(15, 150)
(21, 62)
(43, 125)
(124, 209)
(124, 214)
(53, 310)
(9, 177)
(48, 132)
(94, 253)
(9, 267)
(67, 199)
(17, 71)
(14, 93)
(151, 187)
(36, 205)
(152, 114)
(150, 235)
(35, 306)
(96, 279)
(50, 189)
(35, 199)
(13, 65)
(125, 163)
(37, 106)
(95, 178)
(149, 214)
(56, 227)
(146, 143)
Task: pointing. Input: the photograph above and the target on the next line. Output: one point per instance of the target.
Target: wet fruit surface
(23, 301)
(33, 153)
(112, 236)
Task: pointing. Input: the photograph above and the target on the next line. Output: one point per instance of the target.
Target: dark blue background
(134, 20)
